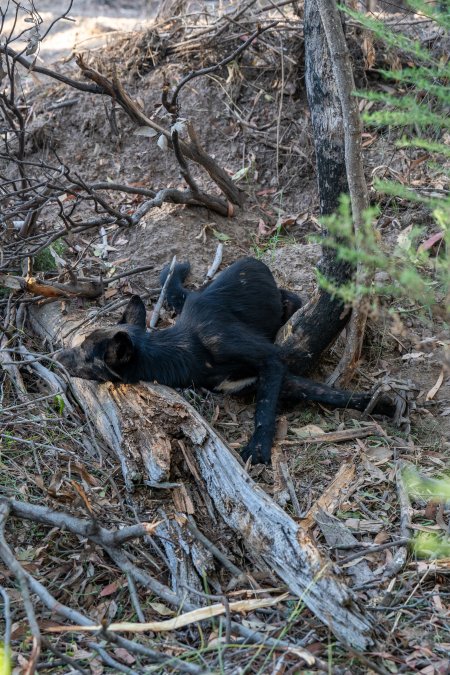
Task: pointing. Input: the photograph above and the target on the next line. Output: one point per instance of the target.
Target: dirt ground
(287, 191)
(273, 150)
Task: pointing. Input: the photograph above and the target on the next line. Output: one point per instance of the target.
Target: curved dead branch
(115, 90)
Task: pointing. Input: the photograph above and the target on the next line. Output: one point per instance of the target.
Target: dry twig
(12, 564)
(162, 295)
(212, 270)
(399, 560)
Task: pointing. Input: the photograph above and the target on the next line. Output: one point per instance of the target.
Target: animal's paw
(385, 405)
(255, 450)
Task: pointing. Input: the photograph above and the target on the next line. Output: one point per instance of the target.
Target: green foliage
(44, 261)
(59, 403)
(424, 487)
(440, 14)
(420, 108)
(408, 271)
(423, 95)
(5, 660)
(428, 545)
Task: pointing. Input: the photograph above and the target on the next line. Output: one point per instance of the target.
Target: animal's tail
(176, 293)
(296, 388)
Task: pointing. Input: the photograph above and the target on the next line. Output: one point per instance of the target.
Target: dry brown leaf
(435, 388)
(124, 655)
(374, 471)
(84, 473)
(381, 537)
(77, 487)
(379, 455)
(161, 609)
(56, 483)
(307, 430)
(368, 50)
(112, 588)
(263, 229)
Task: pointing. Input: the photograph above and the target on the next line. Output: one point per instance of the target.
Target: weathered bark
(131, 419)
(314, 327)
(139, 453)
(343, 75)
(187, 560)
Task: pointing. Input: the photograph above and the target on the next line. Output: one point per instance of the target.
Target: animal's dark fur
(223, 341)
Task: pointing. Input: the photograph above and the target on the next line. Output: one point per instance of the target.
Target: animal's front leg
(268, 391)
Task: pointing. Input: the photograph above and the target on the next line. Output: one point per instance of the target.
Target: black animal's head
(107, 354)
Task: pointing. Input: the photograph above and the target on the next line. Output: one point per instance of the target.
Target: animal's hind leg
(176, 293)
(296, 388)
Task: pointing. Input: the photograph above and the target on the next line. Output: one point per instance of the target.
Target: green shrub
(418, 114)
(44, 261)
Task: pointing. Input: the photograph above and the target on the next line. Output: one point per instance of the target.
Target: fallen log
(137, 421)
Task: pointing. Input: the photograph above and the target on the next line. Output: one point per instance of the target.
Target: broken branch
(179, 621)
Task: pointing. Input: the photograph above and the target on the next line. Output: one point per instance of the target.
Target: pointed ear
(119, 350)
(135, 313)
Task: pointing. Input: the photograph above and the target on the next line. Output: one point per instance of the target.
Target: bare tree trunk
(337, 140)
(345, 83)
(314, 327)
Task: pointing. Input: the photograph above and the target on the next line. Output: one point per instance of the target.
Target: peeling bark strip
(140, 425)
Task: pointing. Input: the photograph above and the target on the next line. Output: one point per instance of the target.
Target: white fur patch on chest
(233, 386)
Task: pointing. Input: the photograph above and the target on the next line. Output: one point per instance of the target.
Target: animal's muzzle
(73, 363)
(66, 358)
